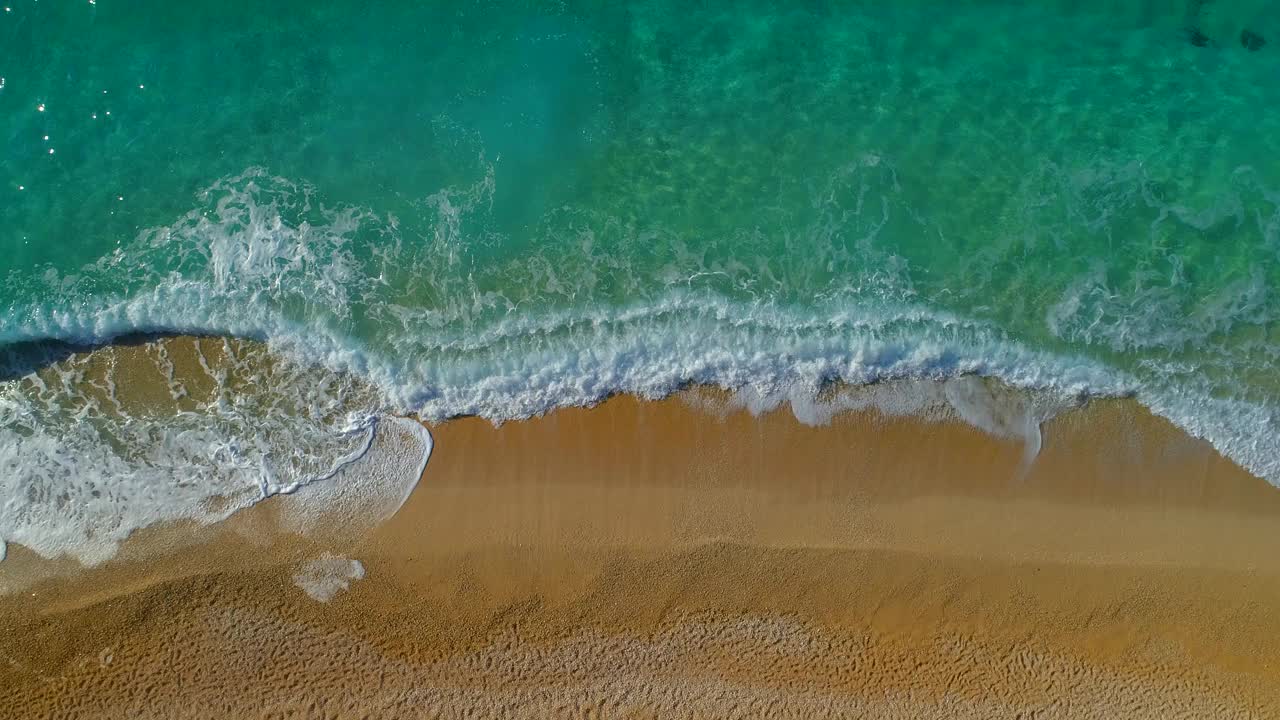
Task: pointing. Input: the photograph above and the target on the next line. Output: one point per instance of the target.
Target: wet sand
(659, 560)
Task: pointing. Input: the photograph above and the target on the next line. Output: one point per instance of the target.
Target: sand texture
(660, 560)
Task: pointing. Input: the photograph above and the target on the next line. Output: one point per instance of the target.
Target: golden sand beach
(666, 560)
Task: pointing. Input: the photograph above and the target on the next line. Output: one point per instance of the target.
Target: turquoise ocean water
(498, 208)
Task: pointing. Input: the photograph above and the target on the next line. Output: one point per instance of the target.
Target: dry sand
(655, 560)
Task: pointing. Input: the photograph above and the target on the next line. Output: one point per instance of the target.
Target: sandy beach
(648, 360)
(667, 560)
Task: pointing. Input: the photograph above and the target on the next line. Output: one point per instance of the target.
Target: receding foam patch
(324, 577)
(370, 489)
(999, 411)
(992, 407)
(102, 443)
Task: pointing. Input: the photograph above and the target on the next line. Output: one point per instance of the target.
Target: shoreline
(1128, 558)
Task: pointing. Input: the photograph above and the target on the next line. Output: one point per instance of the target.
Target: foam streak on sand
(658, 560)
(326, 576)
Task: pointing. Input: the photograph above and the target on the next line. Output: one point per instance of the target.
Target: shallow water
(502, 207)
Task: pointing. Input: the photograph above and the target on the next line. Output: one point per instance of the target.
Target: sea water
(498, 208)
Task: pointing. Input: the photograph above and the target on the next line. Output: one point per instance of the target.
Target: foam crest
(365, 316)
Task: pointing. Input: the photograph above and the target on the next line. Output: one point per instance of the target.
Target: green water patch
(486, 206)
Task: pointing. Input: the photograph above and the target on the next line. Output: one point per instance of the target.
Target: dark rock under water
(1197, 38)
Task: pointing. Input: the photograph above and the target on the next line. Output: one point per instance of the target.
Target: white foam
(324, 577)
(271, 264)
(988, 406)
(82, 471)
(369, 490)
